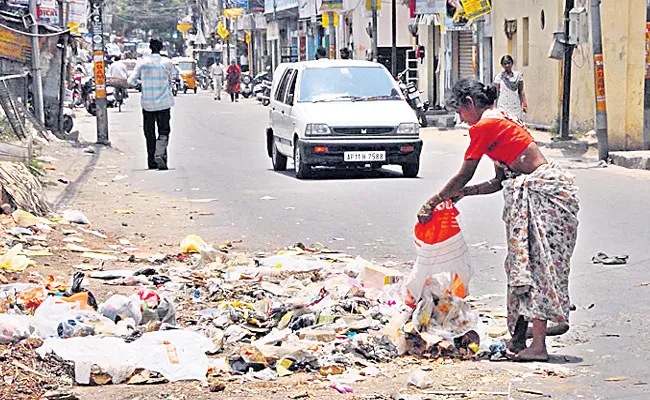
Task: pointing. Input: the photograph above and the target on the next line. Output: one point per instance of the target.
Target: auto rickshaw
(187, 66)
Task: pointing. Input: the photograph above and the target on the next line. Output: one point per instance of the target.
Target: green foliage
(159, 16)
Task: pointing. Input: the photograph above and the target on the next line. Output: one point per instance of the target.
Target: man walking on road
(154, 73)
(217, 70)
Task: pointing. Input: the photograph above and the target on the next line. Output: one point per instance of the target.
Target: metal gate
(466, 54)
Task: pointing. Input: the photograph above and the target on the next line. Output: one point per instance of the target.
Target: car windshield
(186, 66)
(346, 84)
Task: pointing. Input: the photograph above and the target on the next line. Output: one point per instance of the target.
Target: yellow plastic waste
(124, 211)
(193, 244)
(26, 219)
(12, 261)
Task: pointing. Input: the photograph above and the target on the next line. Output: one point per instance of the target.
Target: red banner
(599, 81)
(100, 74)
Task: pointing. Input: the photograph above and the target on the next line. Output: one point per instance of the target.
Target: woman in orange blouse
(540, 214)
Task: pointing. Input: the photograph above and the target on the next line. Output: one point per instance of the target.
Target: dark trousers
(156, 147)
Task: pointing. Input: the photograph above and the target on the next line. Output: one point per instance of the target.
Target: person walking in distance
(154, 73)
(510, 88)
(217, 71)
(233, 81)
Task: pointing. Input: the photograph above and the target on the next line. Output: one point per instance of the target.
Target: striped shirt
(154, 73)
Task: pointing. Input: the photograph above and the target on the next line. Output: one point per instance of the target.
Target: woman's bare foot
(537, 350)
(537, 353)
(515, 346)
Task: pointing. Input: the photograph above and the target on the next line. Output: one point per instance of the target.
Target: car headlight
(317, 130)
(408, 129)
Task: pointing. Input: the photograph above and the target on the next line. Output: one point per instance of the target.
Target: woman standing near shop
(540, 214)
(510, 89)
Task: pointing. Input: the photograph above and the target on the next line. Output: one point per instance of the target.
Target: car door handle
(282, 112)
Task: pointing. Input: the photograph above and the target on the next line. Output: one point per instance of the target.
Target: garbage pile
(208, 313)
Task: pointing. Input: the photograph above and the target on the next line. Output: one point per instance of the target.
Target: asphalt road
(217, 150)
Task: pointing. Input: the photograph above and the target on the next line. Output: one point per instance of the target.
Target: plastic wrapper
(119, 307)
(12, 261)
(176, 354)
(14, 327)
(58, 318)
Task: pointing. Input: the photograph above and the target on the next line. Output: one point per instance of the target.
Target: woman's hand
(426, 211)
(525, 108)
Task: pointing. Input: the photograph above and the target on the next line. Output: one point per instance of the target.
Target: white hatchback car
(340, 113)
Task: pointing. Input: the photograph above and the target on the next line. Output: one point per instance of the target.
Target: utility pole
(96, 26)
(393, 27)
(646, 88)
(64, 6)
(375, 51)
(599, 82)
(37, 82)
(566, 81)
(333, 34)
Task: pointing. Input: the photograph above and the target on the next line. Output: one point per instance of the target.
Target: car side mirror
(290, 99)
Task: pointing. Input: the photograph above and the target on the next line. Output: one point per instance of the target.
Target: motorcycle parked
(88, 90)
(246, 87)
(412, 96)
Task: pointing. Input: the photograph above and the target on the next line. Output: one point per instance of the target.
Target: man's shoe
(162, 165)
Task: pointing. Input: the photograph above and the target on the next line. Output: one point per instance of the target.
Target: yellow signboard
(184, 27)
(369, 5)
(476, 8)
(233, 12)
(14, 46)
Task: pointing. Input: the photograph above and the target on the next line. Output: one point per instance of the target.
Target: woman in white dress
(510, 87)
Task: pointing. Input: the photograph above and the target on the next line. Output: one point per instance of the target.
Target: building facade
(524, 29)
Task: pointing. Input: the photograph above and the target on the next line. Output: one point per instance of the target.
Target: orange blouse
(499, 136)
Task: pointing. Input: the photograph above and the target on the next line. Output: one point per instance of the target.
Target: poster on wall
(430, 6)
(476, 8)
(332, 5)
(14, 46)
(78, 16)
(48, 12)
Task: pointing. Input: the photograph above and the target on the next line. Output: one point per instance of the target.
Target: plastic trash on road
(193, 244)
(12, 261)
(119, 307)
(176, 354)
(58, 318)
(14, 327)
(76, 216)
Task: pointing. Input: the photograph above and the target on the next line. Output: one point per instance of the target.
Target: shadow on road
(342, 174)
(72, 190)
(561, 359)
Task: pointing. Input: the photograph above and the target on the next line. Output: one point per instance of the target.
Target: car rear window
(333, 83)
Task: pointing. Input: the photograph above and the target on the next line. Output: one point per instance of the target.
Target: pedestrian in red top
(540, 213)
(233, 81)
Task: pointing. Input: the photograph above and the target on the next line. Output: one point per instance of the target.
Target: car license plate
(364, 156)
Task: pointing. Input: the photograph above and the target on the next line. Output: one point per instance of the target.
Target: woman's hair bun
(491, 94)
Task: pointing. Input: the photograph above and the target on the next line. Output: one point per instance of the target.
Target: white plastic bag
(14, 328)
(443, 261)
(122, 306)
(58, 318)
(176, 354)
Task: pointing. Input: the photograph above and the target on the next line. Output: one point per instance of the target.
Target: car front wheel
(302, 169)
(279, 160)
(411, 170)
